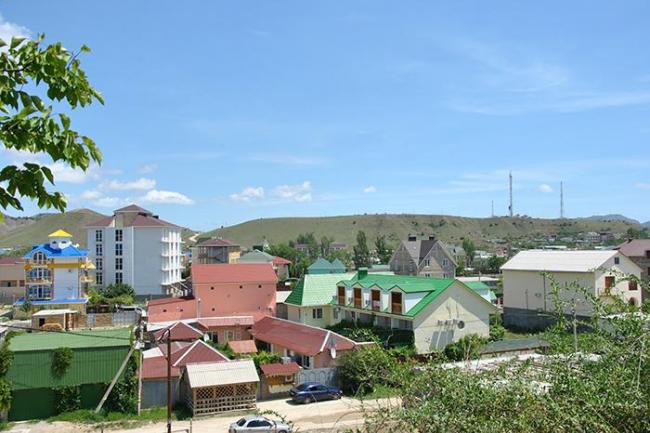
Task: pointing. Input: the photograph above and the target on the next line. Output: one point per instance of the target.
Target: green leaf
(65, 120)
(2, 43)
(15, 41)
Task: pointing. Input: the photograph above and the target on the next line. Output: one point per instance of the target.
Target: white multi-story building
(137, 248)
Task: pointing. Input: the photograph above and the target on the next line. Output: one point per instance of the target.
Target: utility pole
(510, 189)
(168, 331)
(561, 200)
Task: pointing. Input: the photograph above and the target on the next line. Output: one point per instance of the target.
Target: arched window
(39, 257)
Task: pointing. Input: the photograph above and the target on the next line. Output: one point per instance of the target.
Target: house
(221, 290)
(135, 247)
(310, 302)
(57, 274)
(482, 289)
(529, 275)
(226, 328)
(65, 318)
(439, 311)
(337, 246)
(215, 250)
(12, 279)
(592, 238)
(638, 250)
(280, 265)
(278, 378)
(308, 346)
(323, 266)
(209, 388)
(97, 357)
(425, 257)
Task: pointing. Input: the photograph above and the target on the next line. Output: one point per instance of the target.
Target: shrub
(61, 360)
(468, 347)
(497, 332)
(6, 358)
(124, 396)
(363, 369)
(263, 357)
(5, 395)
(68, 399)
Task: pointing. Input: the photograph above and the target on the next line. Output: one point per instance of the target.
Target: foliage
(361, 253)
(61, 360)
(263, 357)
(313, 247)
(470, 249)
(5, 395)
(26, 307)
(382, 250)
(124, 396)
(497, 332)
(492, 265)
(325, 244)
(224, 348)
(6, 358)
(363, 369)
(111, 295)
(117, 290)
(127, 420)
(68, 399)
(27, 122)
(361, 332)
(468, 347)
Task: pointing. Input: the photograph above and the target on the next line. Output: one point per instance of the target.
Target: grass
(119, 419)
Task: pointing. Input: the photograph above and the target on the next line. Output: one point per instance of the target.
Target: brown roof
(149, 221)
(155, 367)
(233, 273)
(635, 247)
(243, 346)
(11, 260)
(211, 323)
(104, 222)
(133, 208)
(217, 242)
(179, 331)
(278, 369)
(277, 261)
(302, 339)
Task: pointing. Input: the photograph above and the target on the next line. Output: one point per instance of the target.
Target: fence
(121, 318)
(326, 376)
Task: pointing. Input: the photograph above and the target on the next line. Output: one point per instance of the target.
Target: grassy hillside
(397, 227)
(23, 232)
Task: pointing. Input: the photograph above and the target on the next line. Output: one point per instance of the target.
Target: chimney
(362, 273)
(432, 237)
(412, 238)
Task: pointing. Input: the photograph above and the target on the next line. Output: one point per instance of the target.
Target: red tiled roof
(182, 354)
(163, 301)
(243, 346)
(278, 369)
(11, 260)
(210, 323)
(156, 368)
(179, 331)
(217, 242)
(300, 338)
(635, 247)
(197, 353)
(281, 261)
(233, 273)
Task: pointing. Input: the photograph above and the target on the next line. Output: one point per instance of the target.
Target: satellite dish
(333, 347)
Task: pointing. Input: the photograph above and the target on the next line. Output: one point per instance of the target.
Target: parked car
(250, 424)
(314, 391)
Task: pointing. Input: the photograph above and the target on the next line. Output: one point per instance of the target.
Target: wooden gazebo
(211, 388)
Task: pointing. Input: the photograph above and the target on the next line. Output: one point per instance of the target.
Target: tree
(312, 244)
(325, 243)
(28, 122)
(361, 253)
(470, 249)
(384, 252)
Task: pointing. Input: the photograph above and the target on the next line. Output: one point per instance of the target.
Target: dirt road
(328, 416)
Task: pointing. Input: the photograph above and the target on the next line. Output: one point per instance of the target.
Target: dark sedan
(314, 391)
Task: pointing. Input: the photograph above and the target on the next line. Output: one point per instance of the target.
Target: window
(99, 250)
(99, 264)
(335, 313)
(647, 254)
(427, 262)
(118, 235)
(396, 303)
(617, 260)
(357, 298)
(118, 263)
(445, 262)
(317, 313)
(99, 279)
(99, 235)
(341, 295)
(228, 335)
(118, 249)
(118, 278)
(39, 258)
(376, 300)
(632, 285)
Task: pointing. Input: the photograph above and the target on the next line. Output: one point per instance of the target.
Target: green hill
(25, 231)
(483, 231)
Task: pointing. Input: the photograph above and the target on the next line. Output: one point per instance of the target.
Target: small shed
(279, 378)
(211, 388)
(64, 317)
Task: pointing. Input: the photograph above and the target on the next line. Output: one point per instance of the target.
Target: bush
(68, 399)
(6, 358)
(263, 357)
(124, 396)
(61, 360)
(5, 395)
(468, 347)
(363, 369)
(497, 332)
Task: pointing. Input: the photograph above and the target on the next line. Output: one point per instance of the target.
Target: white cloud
(141, 184)
(300, 192)
(166, 197)
(249, 193)
(369, 189)
(545, 188)
(91, 194)
(643, 185)
(64, 173)
(148, 168)
(110, 202)
(8, 29)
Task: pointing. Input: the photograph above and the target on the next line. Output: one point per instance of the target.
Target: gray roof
(222, 373)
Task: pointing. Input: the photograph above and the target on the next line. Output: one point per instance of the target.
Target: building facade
(137, 248)
(426, 258)
(12, 279)
(216, 250)
(530, 277)
(280, 264)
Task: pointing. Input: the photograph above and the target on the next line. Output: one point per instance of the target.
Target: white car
(252, 424)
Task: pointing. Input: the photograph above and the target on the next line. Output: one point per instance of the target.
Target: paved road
(327, 416)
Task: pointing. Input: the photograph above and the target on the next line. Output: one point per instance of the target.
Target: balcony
(39, 280)
(86, 279)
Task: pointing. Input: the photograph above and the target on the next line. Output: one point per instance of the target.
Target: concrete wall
(154, 393)
(233, 299)
(438, 324)
(305, 315)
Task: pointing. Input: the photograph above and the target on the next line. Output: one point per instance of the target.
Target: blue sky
(218, 112)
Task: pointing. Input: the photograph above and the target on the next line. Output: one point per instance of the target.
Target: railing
(37, 280)
(396, 308)
(376, 305)
(86, 279)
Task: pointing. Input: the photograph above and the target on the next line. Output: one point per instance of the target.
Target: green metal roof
(73, 340)
(406, 283)
(320, 266)
(479, 285)
(256, 256)
(338, 265)
(316, 289)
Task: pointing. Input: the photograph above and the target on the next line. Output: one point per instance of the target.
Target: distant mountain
(25, 231)
(452, 229)
(612, 217)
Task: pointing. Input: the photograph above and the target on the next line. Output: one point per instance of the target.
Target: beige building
(215, 250)
(528, 280)
(424, 257)
(12, 279)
